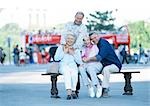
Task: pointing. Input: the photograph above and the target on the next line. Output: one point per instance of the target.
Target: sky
(61, 11)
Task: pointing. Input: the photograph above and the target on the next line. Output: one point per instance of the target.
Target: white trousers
(92, 70)
(107, 70)
(70, 77)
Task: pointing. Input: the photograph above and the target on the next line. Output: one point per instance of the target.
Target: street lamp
(9, 44)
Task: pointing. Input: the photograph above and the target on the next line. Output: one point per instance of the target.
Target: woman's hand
(66, 49)
(71, 51)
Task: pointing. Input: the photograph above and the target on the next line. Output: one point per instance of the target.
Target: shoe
(105, 93)
(99, 92)
(68, 97)
(91, 92)
(74, 96)
(77, 93)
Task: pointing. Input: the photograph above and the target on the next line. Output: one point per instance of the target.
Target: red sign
(43, 39)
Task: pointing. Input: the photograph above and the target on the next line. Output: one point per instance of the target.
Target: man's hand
(85, 59)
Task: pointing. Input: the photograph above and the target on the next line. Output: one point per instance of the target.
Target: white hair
(72, 34)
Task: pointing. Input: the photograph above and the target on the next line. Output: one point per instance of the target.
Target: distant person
(107, 57)
(142, 58)
(53, 31)
(31, 56)
(123, 53)
(141, 50)
(69, 57)
(43, 52)
(16, 52)
(148, 54)
(22, 56)
(2, 55)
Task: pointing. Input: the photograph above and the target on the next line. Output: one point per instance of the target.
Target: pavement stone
(26, 87)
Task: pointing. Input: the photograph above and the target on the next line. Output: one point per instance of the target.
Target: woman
(92, 68)
(69, 57)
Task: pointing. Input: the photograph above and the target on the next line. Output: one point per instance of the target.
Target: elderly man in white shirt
(77, 28)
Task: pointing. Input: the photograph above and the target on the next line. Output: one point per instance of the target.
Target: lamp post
(9, 44)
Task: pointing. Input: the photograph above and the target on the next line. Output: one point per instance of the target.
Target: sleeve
(66, 29)
(81, 34)
(59, 53)
(77, 57)
(103, 51)
(83, 52)
(63, 34)
(79, 42)
(94, 51)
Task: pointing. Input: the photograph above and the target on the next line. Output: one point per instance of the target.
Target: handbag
(53, 68)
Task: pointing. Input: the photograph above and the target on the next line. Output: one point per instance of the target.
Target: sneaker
(99, 92)
(74, 96)
(77, 93)
(105, 92)
(68, 97)
(91, 92)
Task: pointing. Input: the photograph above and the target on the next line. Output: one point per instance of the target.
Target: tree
(140, 33)
(100, 21)
(10, 30)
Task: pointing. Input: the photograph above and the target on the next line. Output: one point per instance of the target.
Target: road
(32, 74)
(24, 86)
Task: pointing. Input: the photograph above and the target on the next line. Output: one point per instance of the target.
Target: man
(16, 55)
(1, 54)
(107, 57)
(79, 30)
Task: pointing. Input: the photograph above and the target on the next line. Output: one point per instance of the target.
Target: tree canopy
(103, 21)
(140, 34)
(11, 30)
(100, 21)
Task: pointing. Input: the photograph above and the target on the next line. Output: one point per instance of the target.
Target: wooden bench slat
(126, 72)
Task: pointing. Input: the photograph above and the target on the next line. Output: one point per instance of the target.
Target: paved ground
(24, 86)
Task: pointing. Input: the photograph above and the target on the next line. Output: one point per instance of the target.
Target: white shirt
(90, 52)
(79, 30)
(68, 59)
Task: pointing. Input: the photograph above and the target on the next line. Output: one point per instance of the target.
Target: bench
(128, 89)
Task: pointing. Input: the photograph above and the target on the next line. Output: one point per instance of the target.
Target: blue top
(106, 54)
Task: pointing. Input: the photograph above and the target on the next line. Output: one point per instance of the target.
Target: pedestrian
(69, 57)
(107, 57)
(142, 58)
(91, 68)
(2, 56)
(123, 53)
(22, 56)
(16, 52)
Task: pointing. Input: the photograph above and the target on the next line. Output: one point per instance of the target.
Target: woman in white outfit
(92, 68)
(69, 57)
